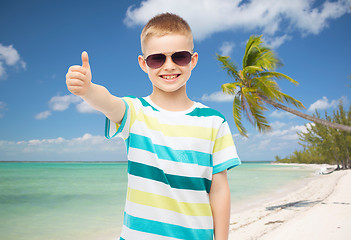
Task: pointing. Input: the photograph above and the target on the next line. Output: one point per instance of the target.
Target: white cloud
(84, 107)
(217, 97)
(277, 125)
(324, 103)
(313, 20)
(9, 57)
(275, 42)
(207, 17)
(321, 104)
(264, 144)
(284, 134)
(2, 70)
(227, 48)
(61, 103)
(86, 147)
(275, 142)
(43, 115)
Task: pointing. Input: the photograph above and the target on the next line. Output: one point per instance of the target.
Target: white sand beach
(319, 209)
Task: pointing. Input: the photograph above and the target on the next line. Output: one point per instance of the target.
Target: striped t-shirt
(171, 159)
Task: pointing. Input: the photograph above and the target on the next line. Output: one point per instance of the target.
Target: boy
(178, 150)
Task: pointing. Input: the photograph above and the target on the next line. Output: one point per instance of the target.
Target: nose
(169, 64)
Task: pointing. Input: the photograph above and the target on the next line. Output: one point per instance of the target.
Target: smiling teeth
(169, 76)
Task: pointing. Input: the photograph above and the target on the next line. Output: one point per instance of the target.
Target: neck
(171, 101)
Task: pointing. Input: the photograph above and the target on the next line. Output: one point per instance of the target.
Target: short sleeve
(224, 155)
(119, 130)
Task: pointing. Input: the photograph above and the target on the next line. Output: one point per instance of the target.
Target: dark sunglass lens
(181, 58)
(155, 60)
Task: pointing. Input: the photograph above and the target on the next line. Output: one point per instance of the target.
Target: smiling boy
(179, 150)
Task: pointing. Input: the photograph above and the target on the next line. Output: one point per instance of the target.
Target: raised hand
(78, 78)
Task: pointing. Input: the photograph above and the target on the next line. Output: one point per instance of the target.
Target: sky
(39, 40)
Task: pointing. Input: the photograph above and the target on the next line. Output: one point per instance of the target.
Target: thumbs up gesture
(78, 78)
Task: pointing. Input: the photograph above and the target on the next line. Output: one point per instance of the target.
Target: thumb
(85, 60)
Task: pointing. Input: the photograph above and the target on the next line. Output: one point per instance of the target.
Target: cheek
(187, 71)
(152, 73)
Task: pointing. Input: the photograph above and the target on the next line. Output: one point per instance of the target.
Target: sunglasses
(182, 58)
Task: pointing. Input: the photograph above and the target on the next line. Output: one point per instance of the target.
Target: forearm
(102, 100)
(220, 205)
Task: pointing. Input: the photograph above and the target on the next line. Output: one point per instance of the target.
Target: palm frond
(270, 89)
(267, 87)
(257, 54)
(261, 121)
(252, 57)
(228, 66)
(268, 59)
(256, 109)
(252, 70)
(231, 88)
(292, 101)
(246, 108)
(255, 86)
(278, 75)
(237, 116)
(251, 45)
(252, 98)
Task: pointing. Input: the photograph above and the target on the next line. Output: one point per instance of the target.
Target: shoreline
(270, 214)
(258, 200)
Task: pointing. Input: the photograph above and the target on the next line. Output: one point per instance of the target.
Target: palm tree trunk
(306, 116)
(336, 160)
(337, 164)
(348, 160)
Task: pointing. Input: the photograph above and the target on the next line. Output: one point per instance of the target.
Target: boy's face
(170, 77)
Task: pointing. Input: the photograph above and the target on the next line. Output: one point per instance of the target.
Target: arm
(78, 80)
(220, 205)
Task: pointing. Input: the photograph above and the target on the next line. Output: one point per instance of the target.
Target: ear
(142, 64)
(194, 60)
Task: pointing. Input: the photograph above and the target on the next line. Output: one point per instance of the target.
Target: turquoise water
(257, 179)
(85, 200)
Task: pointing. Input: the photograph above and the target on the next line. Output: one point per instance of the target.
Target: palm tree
(254, 88)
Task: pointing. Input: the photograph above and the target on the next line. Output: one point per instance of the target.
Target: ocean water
(67, 201)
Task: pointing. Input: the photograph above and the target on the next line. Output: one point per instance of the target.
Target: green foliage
(324, 144)
(308, 156)
(254, 84)
(255, 88)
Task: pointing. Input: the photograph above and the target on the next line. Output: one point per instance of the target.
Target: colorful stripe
(166, 229)
(226, 165)
(119, 127)
(206, 112)
(159, 201)
(167, 153)
(171, 161)
(174, 181)
(223, 143)
(169, 130)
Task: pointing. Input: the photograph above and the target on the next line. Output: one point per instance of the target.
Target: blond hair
(163, 24)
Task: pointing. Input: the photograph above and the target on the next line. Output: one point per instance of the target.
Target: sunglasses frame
(165, 55)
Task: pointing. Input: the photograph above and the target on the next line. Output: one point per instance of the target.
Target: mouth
(170, 77)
